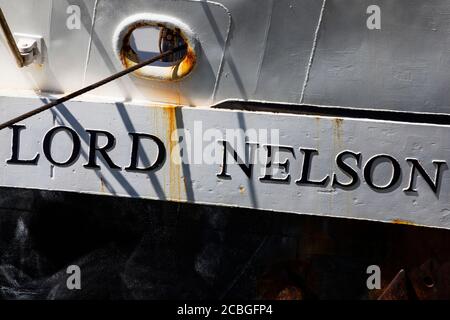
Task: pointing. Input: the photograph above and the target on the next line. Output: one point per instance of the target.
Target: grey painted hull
(300, 53)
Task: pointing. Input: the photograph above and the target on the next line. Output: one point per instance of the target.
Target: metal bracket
(29, 48)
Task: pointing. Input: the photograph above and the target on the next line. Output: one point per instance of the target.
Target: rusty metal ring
(178, 71)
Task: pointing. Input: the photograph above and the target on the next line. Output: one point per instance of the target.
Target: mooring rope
(92, 86)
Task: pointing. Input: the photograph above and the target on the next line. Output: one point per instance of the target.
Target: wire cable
(91, 87)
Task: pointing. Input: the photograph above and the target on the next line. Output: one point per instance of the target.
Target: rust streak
(338, 130)
(404, 222)
(175, 176)
(185, 66)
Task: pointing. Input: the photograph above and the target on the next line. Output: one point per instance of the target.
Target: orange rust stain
(124, 57)
(290, 293)
(241, 189)
(404, 222)
(127, 55)
(185, 66)
(175, 176)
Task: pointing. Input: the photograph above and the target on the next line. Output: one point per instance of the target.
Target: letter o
(48, 145)
(395, 173)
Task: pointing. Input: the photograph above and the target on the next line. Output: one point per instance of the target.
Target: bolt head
(26, 45)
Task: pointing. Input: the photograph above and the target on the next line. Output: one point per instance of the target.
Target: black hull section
(140, 249)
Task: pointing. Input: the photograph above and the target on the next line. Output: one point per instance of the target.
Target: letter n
(246, 168)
